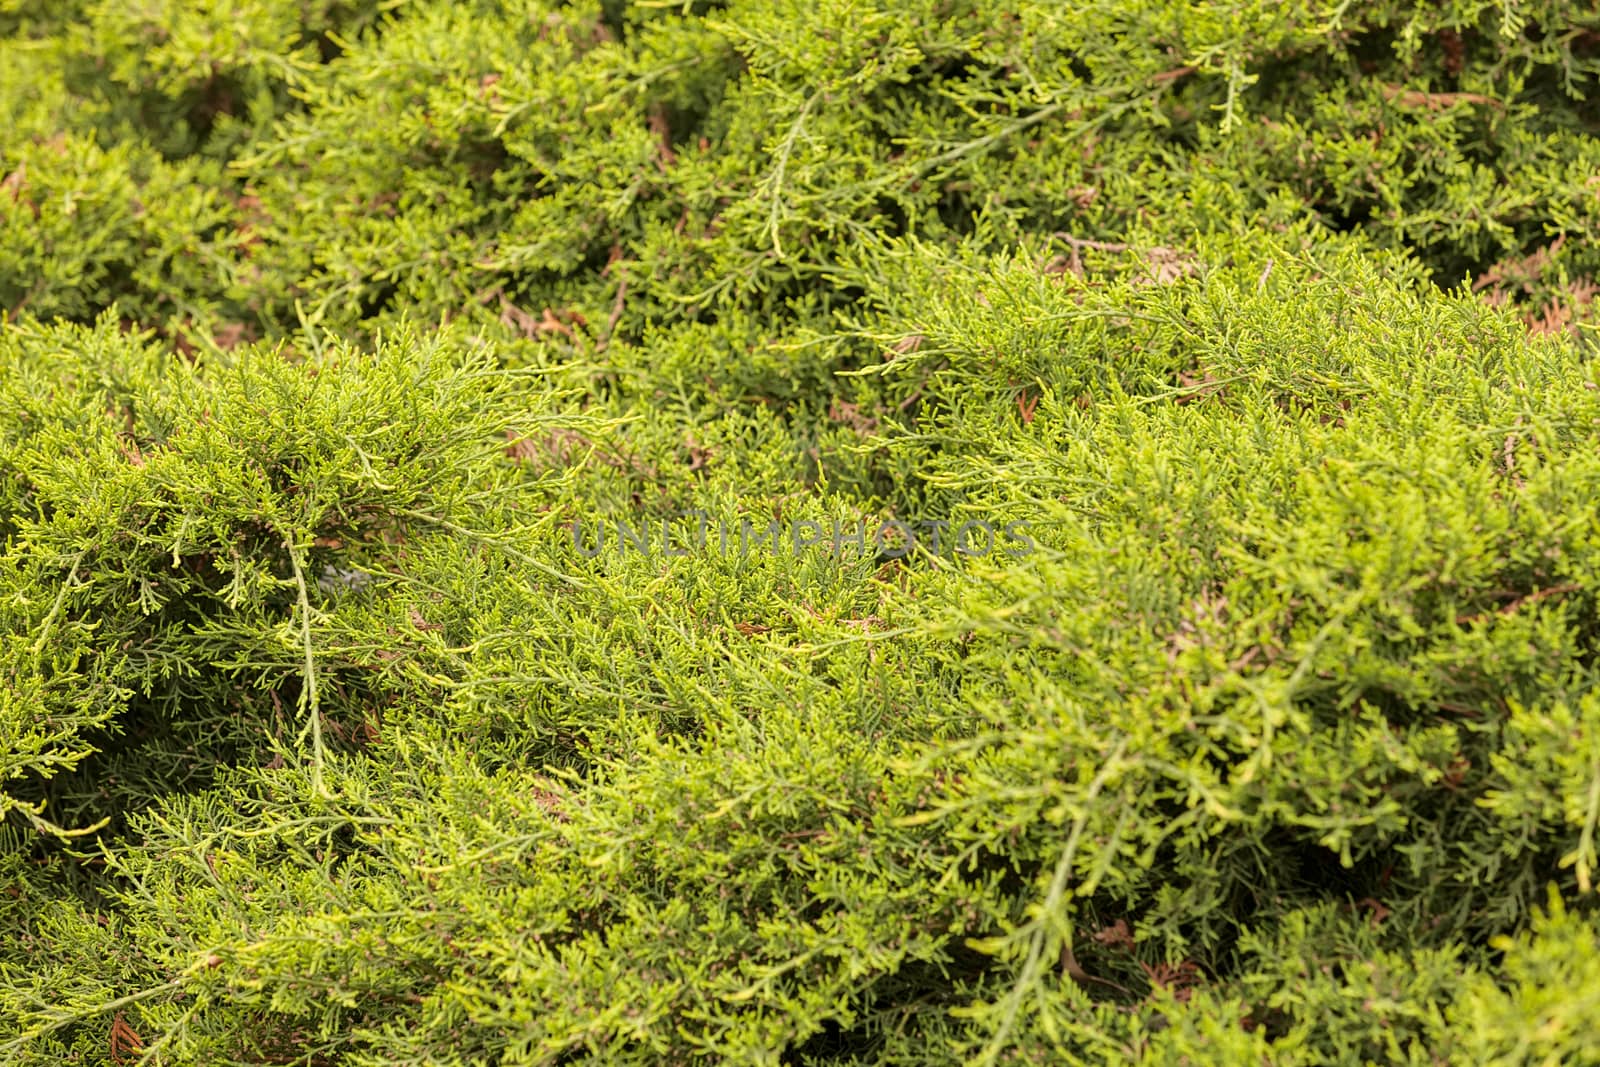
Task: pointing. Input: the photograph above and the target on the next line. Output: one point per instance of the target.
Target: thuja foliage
(335, 332)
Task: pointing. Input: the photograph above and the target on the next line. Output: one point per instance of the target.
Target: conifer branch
(55, 607)
(310, 702)
(1048, 920)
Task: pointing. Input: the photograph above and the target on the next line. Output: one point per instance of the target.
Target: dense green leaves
(335, 332)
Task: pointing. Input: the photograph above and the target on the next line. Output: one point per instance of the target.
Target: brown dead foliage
(1163, 265)
(851, 415)
(1437, 101)
(1521, 278)
(124, 1040)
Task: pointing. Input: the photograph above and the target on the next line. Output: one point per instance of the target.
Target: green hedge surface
(847, 532)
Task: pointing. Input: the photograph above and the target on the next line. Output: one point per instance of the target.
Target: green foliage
(324, 739)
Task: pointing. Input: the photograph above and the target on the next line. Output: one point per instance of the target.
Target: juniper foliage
(324, 740)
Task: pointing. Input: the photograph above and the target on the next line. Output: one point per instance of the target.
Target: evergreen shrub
(334, 332)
